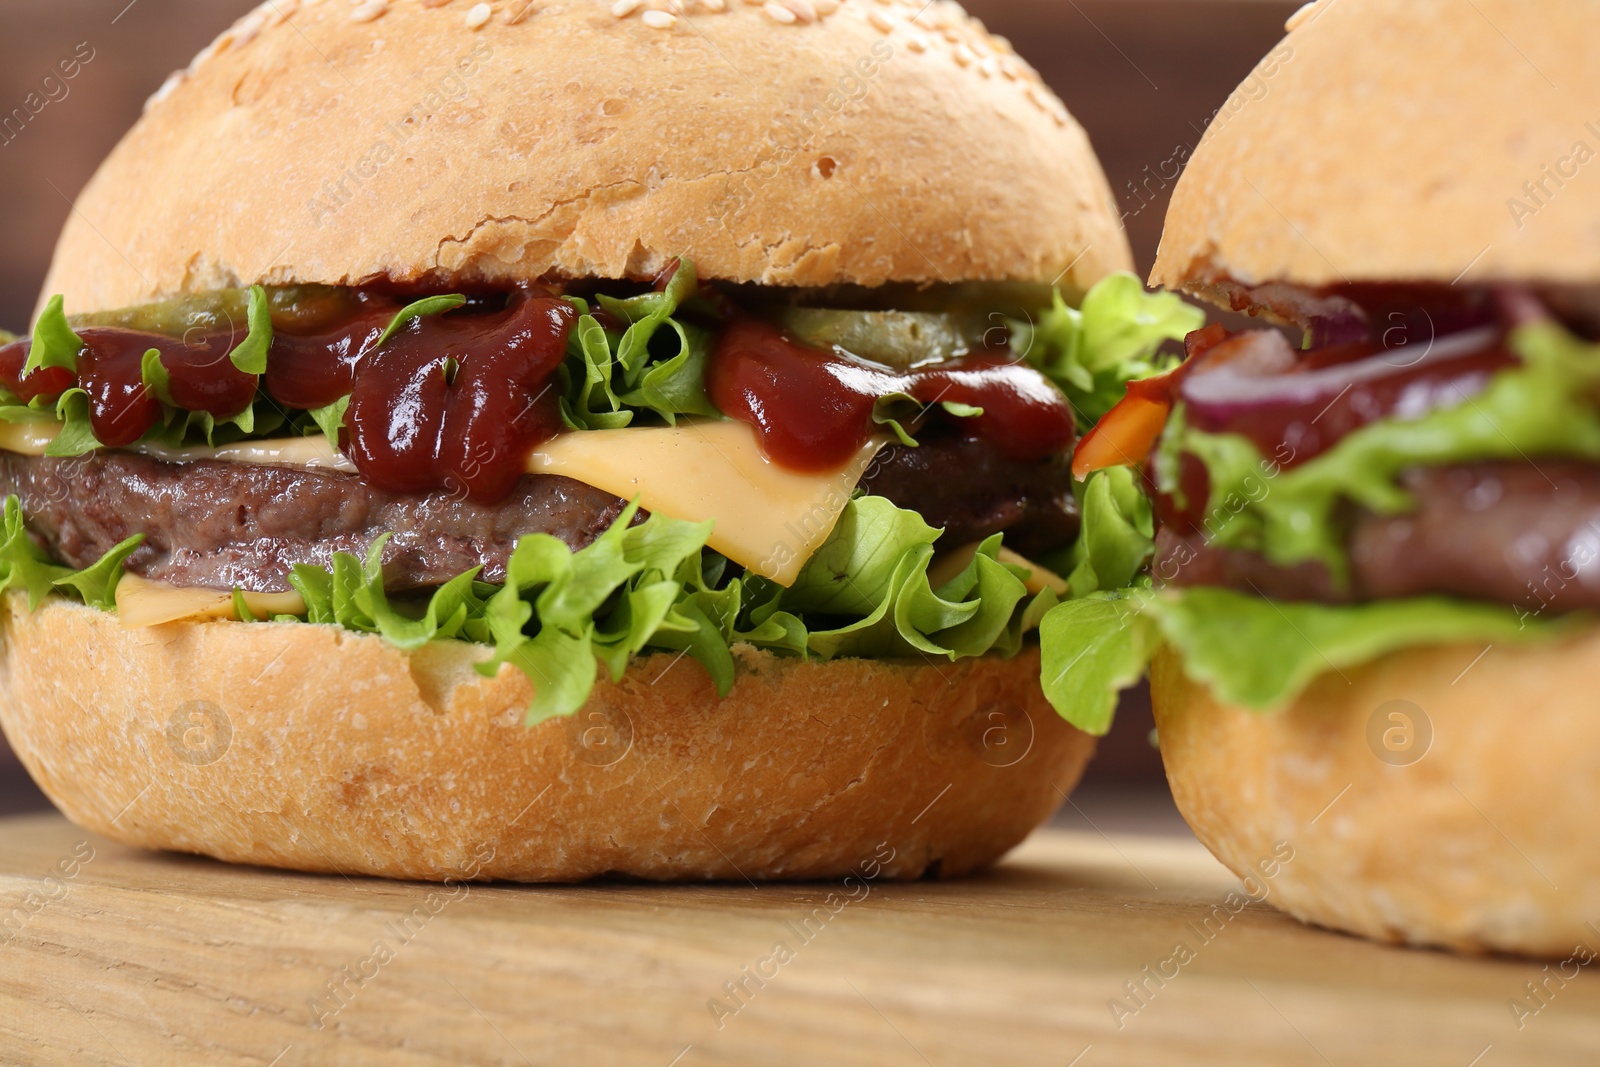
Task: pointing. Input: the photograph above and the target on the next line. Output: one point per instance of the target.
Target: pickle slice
(301, 307)
(900, 339)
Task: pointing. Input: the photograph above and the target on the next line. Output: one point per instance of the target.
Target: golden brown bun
(1480, 839)
(580, 144)
(1387, 141)
(314, 748)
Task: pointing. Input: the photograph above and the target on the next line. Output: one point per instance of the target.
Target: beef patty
(225, 525)
(1526, 534)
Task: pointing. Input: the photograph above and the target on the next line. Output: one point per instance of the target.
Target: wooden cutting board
(126, 958)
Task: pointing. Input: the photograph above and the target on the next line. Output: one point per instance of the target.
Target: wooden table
(126, 958)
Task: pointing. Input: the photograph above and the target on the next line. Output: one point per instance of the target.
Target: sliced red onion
(1327, 318)
(1229, 390)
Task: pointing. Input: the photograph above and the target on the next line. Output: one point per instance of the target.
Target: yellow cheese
(29, 437)
(768, 519)
(311, 452)
(141, 602)
(32, 437)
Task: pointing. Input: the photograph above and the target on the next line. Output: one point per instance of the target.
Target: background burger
(1379, 550)
(488, 442)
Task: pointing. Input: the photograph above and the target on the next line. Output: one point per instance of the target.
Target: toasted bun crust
(1481, 838)
(1392, 142)
(325, 142)
(313, 748)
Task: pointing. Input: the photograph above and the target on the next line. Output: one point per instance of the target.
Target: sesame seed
(989, 67)
(963, 55)
(1304, 12)
(881, 21)
(478, 15)
(175, 79)
(623, 8)
(714, 5)
(917, 43)
(825, 7)
(1008, 69)
(778, 13)
(369, 10)
(249, 26)
(659, 20)
(802, 9)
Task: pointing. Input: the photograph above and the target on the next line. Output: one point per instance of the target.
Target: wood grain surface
(110, 956)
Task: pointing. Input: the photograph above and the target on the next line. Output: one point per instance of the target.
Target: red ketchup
(121, 409)
(812, 408)
(451, 401)
(460, 401)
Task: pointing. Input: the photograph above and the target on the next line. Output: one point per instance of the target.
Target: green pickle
(295, 307)
(899, 339)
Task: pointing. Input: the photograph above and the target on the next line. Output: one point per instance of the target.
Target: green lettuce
(54, 342)
(1544, 406)
(1114, 337)
(646, 361)
(24, 566)
(431, 305)
(1117, 535)
(562, 616)
(1249, 650)
(250, 355)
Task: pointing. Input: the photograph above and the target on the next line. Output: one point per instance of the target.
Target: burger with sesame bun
(496, 443)
(1375, 583)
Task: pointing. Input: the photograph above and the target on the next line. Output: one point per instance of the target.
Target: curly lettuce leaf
(24, 566)
(866, 592)
(1113, 337)
(562, 616)
(96, 585)
(655, 364)
(431, 305)
(1543, 407)
(1117, 535)
(54, 342)
(1249, 650)
(250, 356)
(76, 437)
(329, 420)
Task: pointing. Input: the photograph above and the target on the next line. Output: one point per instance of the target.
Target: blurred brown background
(1144, 76)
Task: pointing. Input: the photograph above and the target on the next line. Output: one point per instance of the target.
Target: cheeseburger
(499, 441)
(1379, 555)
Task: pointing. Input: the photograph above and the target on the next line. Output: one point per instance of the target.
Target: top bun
(1392, 142)
(425, 140)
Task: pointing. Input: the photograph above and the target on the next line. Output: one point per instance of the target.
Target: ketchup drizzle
(812, 409)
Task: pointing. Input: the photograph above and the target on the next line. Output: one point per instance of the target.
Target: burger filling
(1423, 468)
(570, 474)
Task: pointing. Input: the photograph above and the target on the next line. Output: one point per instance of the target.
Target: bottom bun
(318, 749)
(1438, 796)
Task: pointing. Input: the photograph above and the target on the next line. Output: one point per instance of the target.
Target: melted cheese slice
(29, 437)
(141, 602)
(768, 519)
